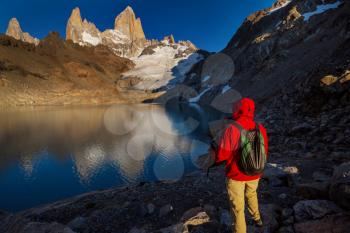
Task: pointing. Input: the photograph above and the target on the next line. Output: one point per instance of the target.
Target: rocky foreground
(305, 188)
(295, 196)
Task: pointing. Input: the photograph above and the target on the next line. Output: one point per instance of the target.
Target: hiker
(243, 175)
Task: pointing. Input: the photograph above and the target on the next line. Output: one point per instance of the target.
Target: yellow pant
(237, 190)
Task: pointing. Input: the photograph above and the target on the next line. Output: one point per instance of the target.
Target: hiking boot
(258, 223)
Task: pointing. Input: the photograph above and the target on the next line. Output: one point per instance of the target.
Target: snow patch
(206, 78)
(225, 89)
(198, 97)
(320, 9)
(116, 36)
(162, 68)
(278, 24)
(88, 38)
(278, 8)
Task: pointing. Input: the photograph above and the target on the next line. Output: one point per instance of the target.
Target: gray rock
(282, 196)
(314, 209)
(191, 213)
(78, 223)
(150, 208)
(340, 186)
(270, 214)
(165, 210)
(315, 190)
(226, 218)
(320, 176)
(291, 170)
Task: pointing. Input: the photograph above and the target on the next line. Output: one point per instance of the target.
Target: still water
(48, 154)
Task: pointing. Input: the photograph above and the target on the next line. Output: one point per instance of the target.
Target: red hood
(244, 108)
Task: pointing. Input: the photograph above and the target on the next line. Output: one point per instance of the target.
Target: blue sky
(209, 24)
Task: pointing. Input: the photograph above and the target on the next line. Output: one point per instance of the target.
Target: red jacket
(228, 151)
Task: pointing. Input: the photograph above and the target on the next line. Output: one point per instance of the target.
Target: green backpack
(252, 159)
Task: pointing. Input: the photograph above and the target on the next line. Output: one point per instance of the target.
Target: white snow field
(88, 38)
(162, 69)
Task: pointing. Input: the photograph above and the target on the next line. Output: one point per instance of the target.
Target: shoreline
(194, 202)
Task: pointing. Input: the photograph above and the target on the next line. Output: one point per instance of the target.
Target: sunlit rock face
(127, 39)
(128, 25)
(14, 30)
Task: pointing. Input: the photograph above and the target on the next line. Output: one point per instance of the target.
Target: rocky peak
(77, 29)
(14, 30)
(169, 39)
(127, 23)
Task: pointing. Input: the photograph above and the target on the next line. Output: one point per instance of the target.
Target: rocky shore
(290, 201)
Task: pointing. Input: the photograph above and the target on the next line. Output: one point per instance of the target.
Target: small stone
(291, 170)
(199, 219)
(282, 196)
(226, 218)
(150, 208)
(165, 210)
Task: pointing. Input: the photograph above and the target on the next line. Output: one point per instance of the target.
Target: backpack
(252, 151)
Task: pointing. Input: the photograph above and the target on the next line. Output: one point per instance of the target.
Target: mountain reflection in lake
(52, 153)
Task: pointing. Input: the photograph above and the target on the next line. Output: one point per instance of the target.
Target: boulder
(314, 209)
(339, 223)
(226, 218)
(340, 186)
(270, 214)
(314, 190)
(165, 210)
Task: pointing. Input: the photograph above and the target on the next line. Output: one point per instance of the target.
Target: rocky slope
(57, 72)
(126, 39)
(14, 30)
(280, 49)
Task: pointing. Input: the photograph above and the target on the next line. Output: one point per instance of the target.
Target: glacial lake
(52, 153)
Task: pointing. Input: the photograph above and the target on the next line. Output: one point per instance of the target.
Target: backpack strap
(238, 126)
